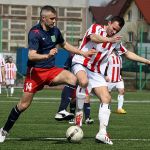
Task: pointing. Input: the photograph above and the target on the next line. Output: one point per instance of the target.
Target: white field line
(53, 138)
(40, 100)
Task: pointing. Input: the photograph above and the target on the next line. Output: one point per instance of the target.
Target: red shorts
(38, 77)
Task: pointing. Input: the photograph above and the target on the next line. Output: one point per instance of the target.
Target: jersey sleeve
(33, 40)
(60, 39)
(95, 29)
(120, 48)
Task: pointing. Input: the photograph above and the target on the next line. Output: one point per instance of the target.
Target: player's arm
(3, 73)
(34, 56)
(100, 39)
(75, 50)
(132, 56)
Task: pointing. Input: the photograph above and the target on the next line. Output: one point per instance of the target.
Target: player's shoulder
(95, 25)
(35, 29)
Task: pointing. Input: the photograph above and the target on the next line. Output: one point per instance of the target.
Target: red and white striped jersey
(98, 62)
(10, 69)
(2, 63)
(114, 67)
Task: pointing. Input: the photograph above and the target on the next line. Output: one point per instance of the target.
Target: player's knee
(121, 92)
(72, 79)
(106, 98)
(23, 106)
(83, 83)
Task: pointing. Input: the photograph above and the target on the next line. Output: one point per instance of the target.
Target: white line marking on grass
(53, 138)
(52, 99)
(131, 139)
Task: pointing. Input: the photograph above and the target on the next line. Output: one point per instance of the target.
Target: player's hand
(89, 53)
(115, 39)
(52, 52)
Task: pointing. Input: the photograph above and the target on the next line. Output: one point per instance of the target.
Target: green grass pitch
(36, 129)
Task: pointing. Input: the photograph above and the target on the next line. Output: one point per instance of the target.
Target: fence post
(141, 41)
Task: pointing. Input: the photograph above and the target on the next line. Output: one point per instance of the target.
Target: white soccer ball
(74, 134)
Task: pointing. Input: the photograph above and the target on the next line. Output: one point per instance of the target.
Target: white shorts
(95, 79)
(115, 85)
(10, 81)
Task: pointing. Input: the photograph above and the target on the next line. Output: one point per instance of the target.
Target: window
(0, 9)
(5, 9)
(61, 12)
(18, 10)
(5, 24)
(140, 15)
(130, 36)
(5, 46)
(5, 35)
(129, 15)
(60, 25)
(13, 48)
(35, 11)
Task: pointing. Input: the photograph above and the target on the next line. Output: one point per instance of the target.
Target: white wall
(63, 3)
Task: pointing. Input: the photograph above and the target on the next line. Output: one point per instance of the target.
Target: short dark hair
(47, 8)
(119, 19)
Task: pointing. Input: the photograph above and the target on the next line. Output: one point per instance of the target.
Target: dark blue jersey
(43, 41)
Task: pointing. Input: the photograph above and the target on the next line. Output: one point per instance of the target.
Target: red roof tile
(144, 6)
(114, 8)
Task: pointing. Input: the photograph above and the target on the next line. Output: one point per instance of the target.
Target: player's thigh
(103, 94)
(81, 74)
(65, 76)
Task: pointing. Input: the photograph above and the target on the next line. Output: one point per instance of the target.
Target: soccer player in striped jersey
(10, 76)
(114, 79)
(90, 71)
(2, 72)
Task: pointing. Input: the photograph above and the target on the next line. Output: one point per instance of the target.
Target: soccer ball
(74, 134)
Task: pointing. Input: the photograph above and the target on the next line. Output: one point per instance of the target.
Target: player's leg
(87, 111)
(81, 92)
(99, 86)
(72, 109)
(66, 96)
(11, 87)
(31, 85)
(104, 114)
(15, 113)
(65, 77)
(7, 87)
(121, 91)
(0, 88)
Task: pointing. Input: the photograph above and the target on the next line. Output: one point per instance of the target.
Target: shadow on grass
(55, 140)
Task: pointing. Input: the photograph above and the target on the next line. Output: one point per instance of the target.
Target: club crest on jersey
(53, 38)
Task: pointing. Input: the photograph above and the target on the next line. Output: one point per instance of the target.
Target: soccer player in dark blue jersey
(42, 40)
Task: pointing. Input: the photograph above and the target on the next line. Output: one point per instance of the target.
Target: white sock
(0, 89)
(12, 90)
(80, 98)
(120, 101)
(104, 114)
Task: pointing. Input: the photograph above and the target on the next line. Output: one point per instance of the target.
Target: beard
(48, 26)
